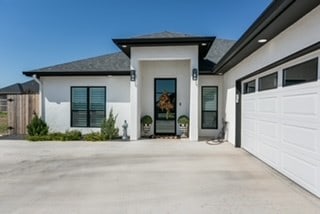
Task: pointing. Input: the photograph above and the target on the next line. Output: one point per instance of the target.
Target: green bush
(37, 127)
(72, 135)
(57, 136)
(146, 119)
(94, 136)
(183, 119)
(108, 127)
(39, 138)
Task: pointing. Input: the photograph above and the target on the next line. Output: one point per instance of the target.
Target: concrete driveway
(142, 177)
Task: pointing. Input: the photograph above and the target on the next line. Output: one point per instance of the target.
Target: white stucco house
(266, 86)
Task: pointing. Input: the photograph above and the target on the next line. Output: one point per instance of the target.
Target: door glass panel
(165, 106)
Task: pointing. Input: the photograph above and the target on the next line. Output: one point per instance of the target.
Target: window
(268, 82)
(88, 106)
(209, 112)
(301, 73)
(250, 87)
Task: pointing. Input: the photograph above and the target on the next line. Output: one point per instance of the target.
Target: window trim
(217, 107)
(298, 64)
(246, 83)
(88, 105)
(265, 89)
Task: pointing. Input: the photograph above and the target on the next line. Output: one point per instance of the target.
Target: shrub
(94, 136)
(39, 138)
(146, 119)
(72, 135)
(108, 127)
(37, 127)
(183, 119)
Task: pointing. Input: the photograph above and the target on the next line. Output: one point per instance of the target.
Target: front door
(165, 106)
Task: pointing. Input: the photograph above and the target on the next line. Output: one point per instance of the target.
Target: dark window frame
(217, 110)
(88, 105)
(296, 65)
(270, 88)
(245, 86)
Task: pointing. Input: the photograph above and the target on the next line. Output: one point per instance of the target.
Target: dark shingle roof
(120, 62)
(110, 62)
(164, 34)
(29, 87)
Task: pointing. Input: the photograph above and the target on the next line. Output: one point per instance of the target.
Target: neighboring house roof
(29, 87)
(119, 63)
(276, 18)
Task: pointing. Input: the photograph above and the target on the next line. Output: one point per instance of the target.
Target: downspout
(40, 94)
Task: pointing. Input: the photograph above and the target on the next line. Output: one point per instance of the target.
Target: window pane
(209, 120)
(79, 98)
(268, 82)
(97, 99)
(301, 73)
(209, 99)
(250, 87)
(79, 118)
(96, 118)
(209, 107)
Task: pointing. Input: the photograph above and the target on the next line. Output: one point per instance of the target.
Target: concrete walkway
(142, 177)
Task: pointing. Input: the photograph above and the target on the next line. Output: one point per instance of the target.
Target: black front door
(165, 106)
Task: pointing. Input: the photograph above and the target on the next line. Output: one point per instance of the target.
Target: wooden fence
(21, 109)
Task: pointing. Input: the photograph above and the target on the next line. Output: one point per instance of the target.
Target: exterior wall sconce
(133, 75)
(195, 74)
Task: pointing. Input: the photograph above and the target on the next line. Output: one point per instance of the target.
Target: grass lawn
(3, 122)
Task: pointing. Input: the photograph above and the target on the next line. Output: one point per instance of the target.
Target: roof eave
(76, 73)
(126, 44)
(267, 21)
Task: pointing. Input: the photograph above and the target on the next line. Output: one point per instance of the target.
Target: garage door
(280, 121)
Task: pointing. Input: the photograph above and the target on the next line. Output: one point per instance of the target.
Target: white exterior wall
(209, 80)
(141, 54)
(302, 34)
(56, 99)
(178, 69)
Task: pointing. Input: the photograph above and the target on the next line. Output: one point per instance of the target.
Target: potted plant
(183, 122)
(146, 122)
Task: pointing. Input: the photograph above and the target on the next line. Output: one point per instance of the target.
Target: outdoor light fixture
(133, 75)
(195, 74)
(262, 40)
(124, 46)
(203, 44)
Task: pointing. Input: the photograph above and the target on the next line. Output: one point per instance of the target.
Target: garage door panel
(250, 125)
(268, 129)
(269, 154)
(273, 142)
(302, 104)
(249, 107)
(303, 172)
(304, 138)
(282, 127)
(249, 142)
(268, 105)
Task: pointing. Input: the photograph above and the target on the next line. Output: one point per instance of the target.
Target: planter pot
(184, 130)
(146, 129)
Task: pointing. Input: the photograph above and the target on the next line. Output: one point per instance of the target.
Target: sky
(41, 33)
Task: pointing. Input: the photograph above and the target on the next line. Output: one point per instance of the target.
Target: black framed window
(249, 87)
(88, 106)
(209, 107)
(268, 82)
(301, 73)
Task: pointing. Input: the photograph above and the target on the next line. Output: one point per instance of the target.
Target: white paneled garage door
(281, 126)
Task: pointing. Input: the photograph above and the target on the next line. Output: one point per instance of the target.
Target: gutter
(40, 94)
